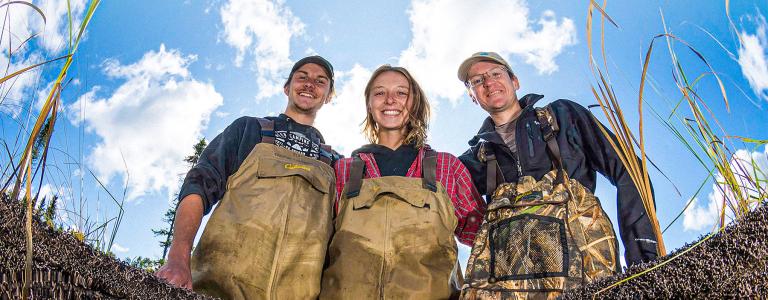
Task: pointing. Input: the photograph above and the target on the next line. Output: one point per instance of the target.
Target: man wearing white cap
(544, 231)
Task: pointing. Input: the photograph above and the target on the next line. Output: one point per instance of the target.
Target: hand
(188, 217)
(176, 273)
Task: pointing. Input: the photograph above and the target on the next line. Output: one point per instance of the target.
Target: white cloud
(151, 120)
(56, 33)
(263, 29)
(117, 248)
(750, 169)
(15, 91)
(310, 51)
(53, 31)
(339, 121)
(42, 95)
(698, 217)
(447, 31)
(23, 22)
(753, 58)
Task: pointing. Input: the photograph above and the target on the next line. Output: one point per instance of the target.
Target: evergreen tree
(41, 139)
(166, 233)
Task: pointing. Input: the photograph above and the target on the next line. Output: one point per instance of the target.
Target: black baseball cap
(315, 59)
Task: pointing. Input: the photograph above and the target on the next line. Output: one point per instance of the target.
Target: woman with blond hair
(399, 203)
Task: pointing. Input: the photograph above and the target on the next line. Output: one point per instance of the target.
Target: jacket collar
(488, 132)
(375, 148)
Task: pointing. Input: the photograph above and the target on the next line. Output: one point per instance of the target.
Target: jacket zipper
(530, 139)
(516, 152)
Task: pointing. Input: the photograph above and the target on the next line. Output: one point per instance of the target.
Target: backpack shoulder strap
(549, 129)
(267, 130)
(494, 176)
(327, 155)
(429, 170)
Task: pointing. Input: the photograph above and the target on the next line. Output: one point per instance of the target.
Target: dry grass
(625, 140)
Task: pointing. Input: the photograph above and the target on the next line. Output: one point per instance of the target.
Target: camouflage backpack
(542, 237)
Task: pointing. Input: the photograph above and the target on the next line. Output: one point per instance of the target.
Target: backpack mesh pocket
(528, 246)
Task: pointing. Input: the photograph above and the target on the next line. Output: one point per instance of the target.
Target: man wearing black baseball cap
(273, 185)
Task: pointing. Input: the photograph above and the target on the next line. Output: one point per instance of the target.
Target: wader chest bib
(542, 237)
(394, 238)
(267, 237)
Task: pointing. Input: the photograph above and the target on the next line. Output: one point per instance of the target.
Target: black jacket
(584, 151)
(228, 150)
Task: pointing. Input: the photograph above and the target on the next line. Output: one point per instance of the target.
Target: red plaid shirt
(469, 207)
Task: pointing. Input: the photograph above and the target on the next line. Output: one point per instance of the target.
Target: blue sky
(153, 77)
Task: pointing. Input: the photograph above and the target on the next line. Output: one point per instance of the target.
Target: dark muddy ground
(731, 264)
(65, 268)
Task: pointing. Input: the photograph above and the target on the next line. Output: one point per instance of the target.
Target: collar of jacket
(283, 118)
(488, 132)
(374, 148)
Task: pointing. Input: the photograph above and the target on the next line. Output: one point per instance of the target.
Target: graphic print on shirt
(297, 142)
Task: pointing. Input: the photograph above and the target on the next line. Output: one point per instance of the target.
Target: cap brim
(318, 60)
(464, 67)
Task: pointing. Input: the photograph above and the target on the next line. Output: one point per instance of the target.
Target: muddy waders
(394, 238)
(267, 237)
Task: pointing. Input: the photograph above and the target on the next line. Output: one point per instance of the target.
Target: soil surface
(731, 264)
(65, 268)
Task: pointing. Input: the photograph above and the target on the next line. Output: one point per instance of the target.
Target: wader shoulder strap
(428, 174)
(493, 176)
(429, 170)
(549, 129)
(326, 154)
(267, 130)
(355, 177)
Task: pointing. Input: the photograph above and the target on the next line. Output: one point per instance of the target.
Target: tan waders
(267, 237)
(539, 238)
(394, 238)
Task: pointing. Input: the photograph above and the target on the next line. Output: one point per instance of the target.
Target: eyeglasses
(302, 77)
(477, 80)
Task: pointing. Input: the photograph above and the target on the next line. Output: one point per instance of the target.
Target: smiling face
(494, 96)
(390, 101)
(397, 108)
(307, 90)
